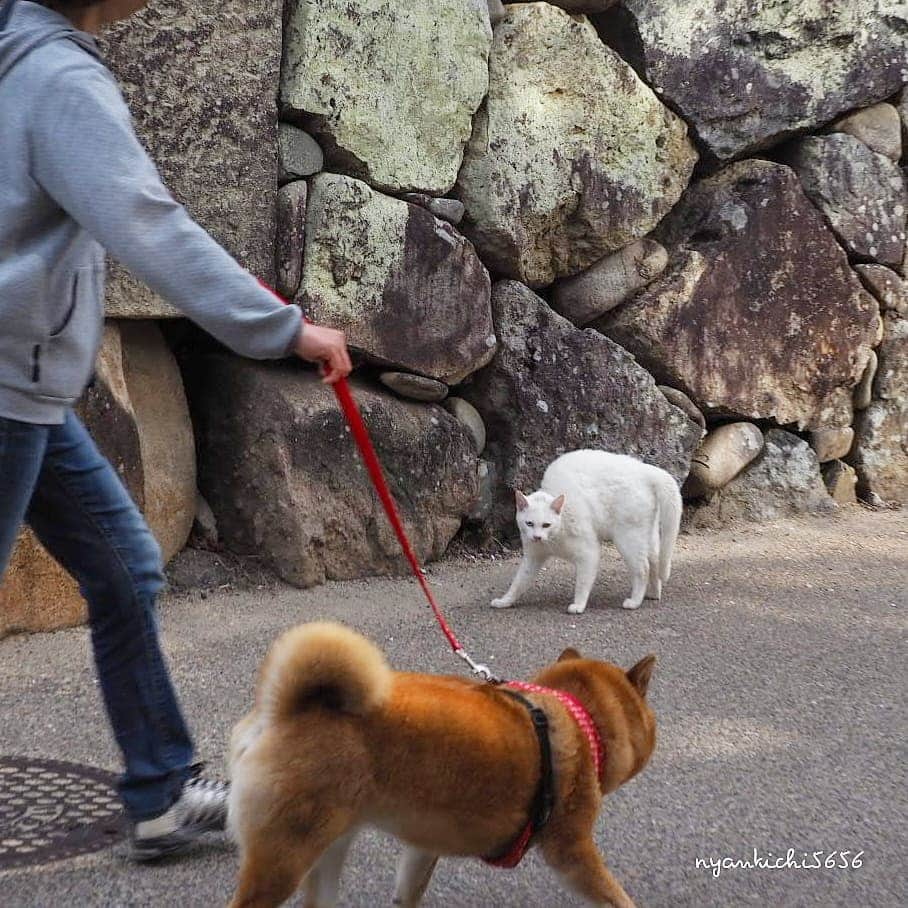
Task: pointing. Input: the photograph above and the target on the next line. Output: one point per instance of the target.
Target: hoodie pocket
(66, 318)
(63, 366)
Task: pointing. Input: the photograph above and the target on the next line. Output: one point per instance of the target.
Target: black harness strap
(544, 800)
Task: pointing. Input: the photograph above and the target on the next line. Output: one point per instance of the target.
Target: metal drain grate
(50, 810)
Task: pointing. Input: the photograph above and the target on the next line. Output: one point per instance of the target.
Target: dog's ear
(558, 504)
(569, 653)
(521, 500)
(641, 673)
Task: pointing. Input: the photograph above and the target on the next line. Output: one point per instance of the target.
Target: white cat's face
(538, 516)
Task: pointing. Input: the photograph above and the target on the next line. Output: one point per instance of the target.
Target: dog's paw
(630, 604)
(503, 602)
(576, 608)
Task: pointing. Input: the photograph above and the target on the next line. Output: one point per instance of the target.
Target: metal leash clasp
(477, 668)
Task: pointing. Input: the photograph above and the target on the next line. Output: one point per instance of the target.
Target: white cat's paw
(630, 604)
(654, 592)
(503, 602)
(576, 608)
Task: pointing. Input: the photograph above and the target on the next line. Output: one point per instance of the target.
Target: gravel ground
(780, 694)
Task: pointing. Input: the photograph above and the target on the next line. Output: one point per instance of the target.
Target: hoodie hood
(25, 26)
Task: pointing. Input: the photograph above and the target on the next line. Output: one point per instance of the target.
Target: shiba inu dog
(336, 741)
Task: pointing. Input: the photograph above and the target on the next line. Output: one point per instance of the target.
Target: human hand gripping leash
(367, 451)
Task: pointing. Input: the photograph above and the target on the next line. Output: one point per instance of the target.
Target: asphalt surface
(780, 694)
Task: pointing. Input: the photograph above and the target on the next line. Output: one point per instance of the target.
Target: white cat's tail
(670, 507)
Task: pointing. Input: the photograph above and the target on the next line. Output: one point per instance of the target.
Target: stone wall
(672, 228)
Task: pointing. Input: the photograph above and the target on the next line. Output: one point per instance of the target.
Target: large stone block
(861, 194)
(282, 474)
(201, 80)
(553, 388)
(406, 287)
(388, 86)
(136, 411)
(758, 315)
(748, 74)
(572, 156)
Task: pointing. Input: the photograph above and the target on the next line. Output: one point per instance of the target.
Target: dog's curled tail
(322, 665)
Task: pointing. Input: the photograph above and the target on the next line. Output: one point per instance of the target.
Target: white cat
(588, 497)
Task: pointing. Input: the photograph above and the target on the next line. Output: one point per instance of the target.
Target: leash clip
(477, 668)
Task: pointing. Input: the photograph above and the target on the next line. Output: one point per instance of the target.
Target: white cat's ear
(521, 500)
(558, 504)
(641, 673)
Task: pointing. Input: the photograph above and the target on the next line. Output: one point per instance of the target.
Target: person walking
(74, 182)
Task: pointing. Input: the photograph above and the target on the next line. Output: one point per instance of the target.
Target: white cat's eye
(529, 523)
(545, 526)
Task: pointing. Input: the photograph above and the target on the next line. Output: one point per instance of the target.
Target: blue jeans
(56, 480)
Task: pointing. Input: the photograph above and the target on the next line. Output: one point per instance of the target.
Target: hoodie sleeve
(86, 156)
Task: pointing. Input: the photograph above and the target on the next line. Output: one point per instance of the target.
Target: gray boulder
(389, 89)
(200, 81)
(862, 195)
(748, 74)
(408, 289)
(758, 315)
(298, 154)
(552, 388)
(783, 482)
(281, 472)
(572, 156)
(880, 452)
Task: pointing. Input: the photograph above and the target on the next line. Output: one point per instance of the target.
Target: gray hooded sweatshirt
(74, 181)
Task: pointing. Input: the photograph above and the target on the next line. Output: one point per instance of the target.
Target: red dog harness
(545, 795)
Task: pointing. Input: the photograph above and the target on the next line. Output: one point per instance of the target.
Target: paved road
(780, 692)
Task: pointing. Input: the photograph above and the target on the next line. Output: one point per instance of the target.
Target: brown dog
(337, 740)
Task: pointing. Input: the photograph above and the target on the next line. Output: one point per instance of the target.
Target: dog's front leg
(322, 884)
(530, 566)
(582, 868)
(414, 870)
(273, 865)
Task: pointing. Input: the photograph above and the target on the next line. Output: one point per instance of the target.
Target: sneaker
(201, 808)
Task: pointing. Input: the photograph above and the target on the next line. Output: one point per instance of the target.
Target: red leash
(370, 459)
